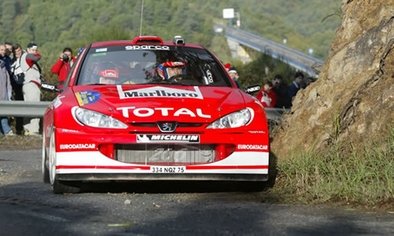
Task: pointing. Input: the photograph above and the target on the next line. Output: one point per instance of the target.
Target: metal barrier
(37, 109)
(275, 114)
(22, 108)
(291, 56)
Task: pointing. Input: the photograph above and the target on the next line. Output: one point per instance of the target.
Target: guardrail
(22, 108)
(37, 109)
(291, 56)
(275, 114)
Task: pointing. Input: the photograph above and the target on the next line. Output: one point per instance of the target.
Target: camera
(65, 58)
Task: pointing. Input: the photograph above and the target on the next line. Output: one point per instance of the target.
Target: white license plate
(167, 169)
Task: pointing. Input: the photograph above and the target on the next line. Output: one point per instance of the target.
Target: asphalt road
(28, 207)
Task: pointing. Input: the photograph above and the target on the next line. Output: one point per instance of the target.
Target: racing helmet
(162, 69)
(110, 73)
(107, 73)
(107, 69)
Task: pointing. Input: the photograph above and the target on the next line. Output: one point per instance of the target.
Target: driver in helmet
(170, 70)
(108, 73)
(108, 76)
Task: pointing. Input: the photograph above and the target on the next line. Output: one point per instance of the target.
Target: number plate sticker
(167, 169)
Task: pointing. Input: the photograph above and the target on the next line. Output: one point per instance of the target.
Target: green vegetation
(54, 25)
(363, 179)
(262, 69)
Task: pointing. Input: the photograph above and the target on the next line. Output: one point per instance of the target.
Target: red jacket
(61, 69)
(32, 58)
(268, 99)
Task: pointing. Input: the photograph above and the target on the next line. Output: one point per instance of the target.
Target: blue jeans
(5, 127)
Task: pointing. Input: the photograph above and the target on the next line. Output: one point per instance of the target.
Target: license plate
(167, 169)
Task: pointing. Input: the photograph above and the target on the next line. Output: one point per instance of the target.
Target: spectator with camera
(63, 65)
(32, 84)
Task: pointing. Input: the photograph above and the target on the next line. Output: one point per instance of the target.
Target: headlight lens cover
(96, 119)
(233, 120)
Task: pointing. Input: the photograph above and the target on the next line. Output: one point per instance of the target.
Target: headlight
(96, 119)
(233, 120)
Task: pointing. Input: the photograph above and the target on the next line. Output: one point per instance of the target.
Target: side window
(212, 73)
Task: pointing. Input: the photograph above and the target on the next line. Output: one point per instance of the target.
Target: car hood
(141, 103)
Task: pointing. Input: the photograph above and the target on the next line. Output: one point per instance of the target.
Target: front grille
(154, 124)
(152, 154)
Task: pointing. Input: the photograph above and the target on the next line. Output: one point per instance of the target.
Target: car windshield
(138, 64)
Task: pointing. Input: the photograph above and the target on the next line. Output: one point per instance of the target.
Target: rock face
(353, 99)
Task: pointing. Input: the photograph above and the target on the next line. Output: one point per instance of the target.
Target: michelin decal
(164, 138)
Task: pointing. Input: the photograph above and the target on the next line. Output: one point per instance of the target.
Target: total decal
(164, 138)
(163, 111)
(158, 91)
(252, 147)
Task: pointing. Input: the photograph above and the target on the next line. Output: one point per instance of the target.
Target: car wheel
(273, 171)
(255, 186)
(57, 186)
(65, 187)
(263, 186)
(52, 158)
(44, 164)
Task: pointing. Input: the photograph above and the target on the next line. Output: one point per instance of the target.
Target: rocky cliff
(352, 101)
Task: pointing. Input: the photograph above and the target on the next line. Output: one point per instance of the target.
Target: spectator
(280, 90)
(80, 50)
(267, 95)
(16, 70)
(293, 88)
(308, 81)
(5, 56)
(32, 84)
(234, 75)
(9, 50)
(227, 66)
(5, 92)
(63, 65)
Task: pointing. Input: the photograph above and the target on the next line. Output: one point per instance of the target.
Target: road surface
(28, 207)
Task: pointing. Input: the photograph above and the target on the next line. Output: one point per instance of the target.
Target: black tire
(60, 187)
(272, 172)
(45, 174)
(263, 186)
(253, 186)
(45, 170)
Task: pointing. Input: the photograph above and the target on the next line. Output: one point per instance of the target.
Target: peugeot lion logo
(167, 127)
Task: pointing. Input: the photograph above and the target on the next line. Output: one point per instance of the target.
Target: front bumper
(102, 177)
(94, 166)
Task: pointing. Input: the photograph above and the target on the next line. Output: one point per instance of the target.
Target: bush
(364, 179)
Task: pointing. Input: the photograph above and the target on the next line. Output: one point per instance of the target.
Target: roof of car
(142, 40)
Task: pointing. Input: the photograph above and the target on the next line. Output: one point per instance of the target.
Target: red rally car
(151, 110)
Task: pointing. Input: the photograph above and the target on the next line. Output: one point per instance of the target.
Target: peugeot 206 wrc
(147, 109)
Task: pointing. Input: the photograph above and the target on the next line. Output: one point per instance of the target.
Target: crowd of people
(278, 94)
(275, 93)
(20, 80)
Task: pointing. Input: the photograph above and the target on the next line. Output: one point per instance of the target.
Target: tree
(8, 13)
